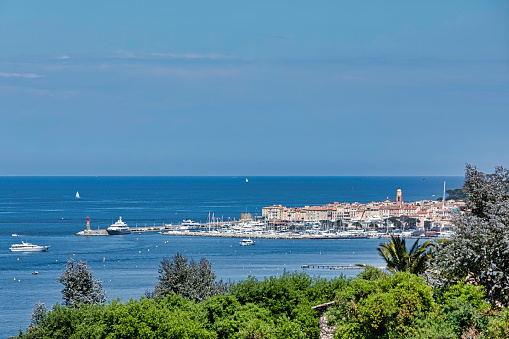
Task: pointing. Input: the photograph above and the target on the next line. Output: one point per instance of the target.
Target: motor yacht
(188, 225)
(118, 228)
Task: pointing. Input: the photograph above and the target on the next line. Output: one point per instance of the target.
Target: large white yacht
(188, 225)
(118, 228)
(27, 247)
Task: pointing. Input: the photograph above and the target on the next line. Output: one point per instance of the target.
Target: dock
(336, 267)
(137, 229)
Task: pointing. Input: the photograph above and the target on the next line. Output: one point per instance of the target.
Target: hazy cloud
(210, 56)
(281, 37)
(55, 68)
(20, 75)
(62, 57)
(193, 74)
(124, 54)
(37, 91)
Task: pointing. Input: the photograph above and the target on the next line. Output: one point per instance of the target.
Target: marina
(236, 230)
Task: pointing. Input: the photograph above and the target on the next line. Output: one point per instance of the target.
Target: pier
(137, 229)
(336, 267)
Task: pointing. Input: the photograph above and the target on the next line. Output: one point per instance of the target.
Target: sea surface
(45, 211)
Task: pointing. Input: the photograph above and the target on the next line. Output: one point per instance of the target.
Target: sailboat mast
(443, 200)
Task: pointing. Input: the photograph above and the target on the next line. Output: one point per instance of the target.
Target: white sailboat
(77, 195)
(247, 180)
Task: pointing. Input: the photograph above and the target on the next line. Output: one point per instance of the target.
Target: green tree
(382, 306)
(193, 280)
(395, 221)
(456, 194)
(398, 259)
(478, 253)
(80, 287)
(38, 314)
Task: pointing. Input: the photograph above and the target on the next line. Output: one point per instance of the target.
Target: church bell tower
(399, 197)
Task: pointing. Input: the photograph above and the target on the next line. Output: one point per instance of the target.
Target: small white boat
(15, 235)
(27, 247)
(247, 180)
(77, 195)
(246, 242)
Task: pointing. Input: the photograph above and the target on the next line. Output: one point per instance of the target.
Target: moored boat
(188, 225)
(118, 228)
(247, 242)
(27, 247)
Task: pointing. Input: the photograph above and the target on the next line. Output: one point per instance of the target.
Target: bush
(498, 327)
(382, 307)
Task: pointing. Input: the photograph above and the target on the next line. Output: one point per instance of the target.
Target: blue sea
(45, 211)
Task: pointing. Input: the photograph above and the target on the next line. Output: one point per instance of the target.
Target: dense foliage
(80, 287)
(373, 305)
(456, 194)
(403, 305)
(479, 252)
(272, 308)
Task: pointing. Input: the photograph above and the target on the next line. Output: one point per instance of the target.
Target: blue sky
(253, 88)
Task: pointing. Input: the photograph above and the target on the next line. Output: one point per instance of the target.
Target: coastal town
(424, 218)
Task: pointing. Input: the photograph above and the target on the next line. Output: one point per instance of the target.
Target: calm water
(44, 211)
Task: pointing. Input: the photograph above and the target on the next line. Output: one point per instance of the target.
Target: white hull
(118, 228)
(26, 247)
(189, 225)
(246, 242)
(118, 231)
(39, 249)
(189, 228)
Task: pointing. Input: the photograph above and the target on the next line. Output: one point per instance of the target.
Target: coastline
(203, 233)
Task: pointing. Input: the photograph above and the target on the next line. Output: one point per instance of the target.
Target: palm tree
(398, 259)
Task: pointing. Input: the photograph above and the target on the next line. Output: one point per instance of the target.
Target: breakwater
(103, 232)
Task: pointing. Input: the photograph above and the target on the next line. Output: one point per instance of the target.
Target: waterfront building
(426, 212)
(316, 213)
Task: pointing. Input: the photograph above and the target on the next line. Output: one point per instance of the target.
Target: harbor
(417, 219)
(260, 231)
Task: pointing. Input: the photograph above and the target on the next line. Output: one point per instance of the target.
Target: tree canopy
(80, 287)
(456, 194)
(193, 280)
(479, 251)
